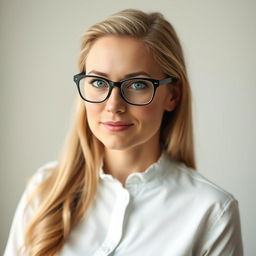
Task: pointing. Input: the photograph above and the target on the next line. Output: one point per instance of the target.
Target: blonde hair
(68, 192)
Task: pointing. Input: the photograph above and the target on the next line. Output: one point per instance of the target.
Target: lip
(117, 126)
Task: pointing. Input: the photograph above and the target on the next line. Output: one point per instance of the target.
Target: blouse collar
(153, 174)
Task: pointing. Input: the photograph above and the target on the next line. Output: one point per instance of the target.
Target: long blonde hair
(66, 194)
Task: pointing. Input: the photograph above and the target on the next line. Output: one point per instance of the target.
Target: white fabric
(169, 209)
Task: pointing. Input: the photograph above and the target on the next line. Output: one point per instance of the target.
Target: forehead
(120, 55)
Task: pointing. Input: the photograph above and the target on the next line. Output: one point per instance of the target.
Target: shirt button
(106, 249)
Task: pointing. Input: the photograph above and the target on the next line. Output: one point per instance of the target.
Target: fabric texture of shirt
(168, 210)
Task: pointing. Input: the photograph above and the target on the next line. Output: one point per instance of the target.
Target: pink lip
(116, 126)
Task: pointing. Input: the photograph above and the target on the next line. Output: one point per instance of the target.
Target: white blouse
(168, 210)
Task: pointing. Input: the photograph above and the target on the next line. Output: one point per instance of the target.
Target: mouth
(116, 126)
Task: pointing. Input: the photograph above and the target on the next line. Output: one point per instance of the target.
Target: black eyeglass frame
(156, 83)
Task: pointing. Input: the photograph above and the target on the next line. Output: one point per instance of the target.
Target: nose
(115, 103)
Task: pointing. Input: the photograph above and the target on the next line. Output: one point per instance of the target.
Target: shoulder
(37, 178)
(210, 206)
(41, 174)
(189, 183)
(29, 202)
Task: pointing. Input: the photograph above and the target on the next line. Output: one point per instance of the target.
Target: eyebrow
(134, 74)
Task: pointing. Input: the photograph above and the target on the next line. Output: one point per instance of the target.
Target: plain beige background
(39, 48)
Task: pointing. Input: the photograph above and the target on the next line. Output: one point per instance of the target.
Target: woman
(126, 183)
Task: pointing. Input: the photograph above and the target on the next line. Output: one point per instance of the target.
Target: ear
(174, 97)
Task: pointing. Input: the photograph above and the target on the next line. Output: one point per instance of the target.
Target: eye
(138, 85)
(98, 83)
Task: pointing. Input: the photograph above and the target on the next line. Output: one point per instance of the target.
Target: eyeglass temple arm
(167, 80)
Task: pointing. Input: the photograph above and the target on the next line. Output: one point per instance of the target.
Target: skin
(133, 149)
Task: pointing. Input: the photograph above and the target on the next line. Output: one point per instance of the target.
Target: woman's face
(117, 124)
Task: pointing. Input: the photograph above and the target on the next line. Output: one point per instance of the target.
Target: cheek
(151, 114)
(92, 112)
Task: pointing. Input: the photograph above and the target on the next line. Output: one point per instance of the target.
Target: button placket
(115, 228)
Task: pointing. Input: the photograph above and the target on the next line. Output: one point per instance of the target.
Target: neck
(121, 163)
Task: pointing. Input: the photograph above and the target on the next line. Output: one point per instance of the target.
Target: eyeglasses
(135, 91)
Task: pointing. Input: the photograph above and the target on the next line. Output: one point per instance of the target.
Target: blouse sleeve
(23, 214)
(224, 235)
(16, 235)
